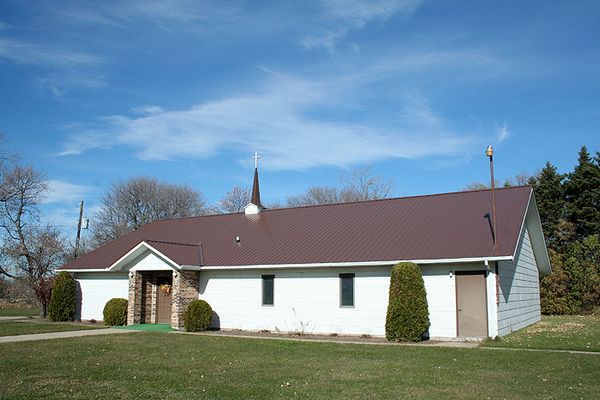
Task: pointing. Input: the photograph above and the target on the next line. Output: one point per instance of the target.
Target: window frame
(263, 279)
(342, 276)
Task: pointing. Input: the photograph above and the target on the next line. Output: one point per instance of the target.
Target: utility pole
(78, 229)
(490, 153)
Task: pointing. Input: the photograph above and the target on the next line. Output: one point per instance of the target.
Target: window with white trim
(346, 290)
(268, 290)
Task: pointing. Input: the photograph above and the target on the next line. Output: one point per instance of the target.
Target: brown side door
(471, 304)
(163, 300)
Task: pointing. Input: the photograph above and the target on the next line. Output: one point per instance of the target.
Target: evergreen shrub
(63, 298)
(115, 312)
(197, 316)
(407, 314)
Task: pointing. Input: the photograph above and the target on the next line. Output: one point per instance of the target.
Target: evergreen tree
(582, 191)
(550, 197)
(407, 316)
(554, 288)
(63, 299)
(574, 285)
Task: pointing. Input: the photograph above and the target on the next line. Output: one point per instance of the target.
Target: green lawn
(556, 332)
(19, 312)
(10, 328)
(175, 366)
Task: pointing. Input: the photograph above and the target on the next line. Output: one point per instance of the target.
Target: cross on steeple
(256, 157)
(255, 199)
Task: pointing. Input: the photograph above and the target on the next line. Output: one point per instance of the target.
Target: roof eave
(348, 263)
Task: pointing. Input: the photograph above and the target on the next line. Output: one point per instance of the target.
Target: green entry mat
(148, 327)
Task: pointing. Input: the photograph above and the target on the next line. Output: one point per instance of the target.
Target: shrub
(407, 314)
(115, 312)
(197, 316)
(63, 298)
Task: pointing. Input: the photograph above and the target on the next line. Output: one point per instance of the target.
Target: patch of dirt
(544, 327)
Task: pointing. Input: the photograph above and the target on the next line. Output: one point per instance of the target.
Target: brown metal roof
(442, 226)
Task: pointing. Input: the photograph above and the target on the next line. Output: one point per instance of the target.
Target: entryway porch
(160, 297)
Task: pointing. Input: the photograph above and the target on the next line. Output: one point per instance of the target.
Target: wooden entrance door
(164, 286)
(471, 304)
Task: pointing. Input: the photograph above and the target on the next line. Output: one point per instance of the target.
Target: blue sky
(95, 92)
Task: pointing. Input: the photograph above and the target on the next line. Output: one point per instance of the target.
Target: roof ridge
(167, 242)
(399, 198)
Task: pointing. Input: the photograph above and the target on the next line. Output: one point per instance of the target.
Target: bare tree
(315, 195)
(28, 250)
(358, 185)
(138, 201)
(361, 185)
(475, 186)
(21, 189)
(519, 180)
(36, 261)
(235, 200)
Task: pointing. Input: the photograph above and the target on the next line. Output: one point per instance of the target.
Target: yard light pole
(490, 153)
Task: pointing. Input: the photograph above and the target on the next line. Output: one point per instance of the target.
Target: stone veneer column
(154, 295)
(185, 289)
(134, 305)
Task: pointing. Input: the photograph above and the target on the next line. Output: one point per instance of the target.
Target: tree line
(569, 206)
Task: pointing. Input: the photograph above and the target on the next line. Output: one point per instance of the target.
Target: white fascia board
(345, 264)
(133, 251)
(523, 224)
(536, 234)
(86, 270)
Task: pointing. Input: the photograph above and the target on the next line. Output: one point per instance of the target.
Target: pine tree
(550, 197)
(582, 191)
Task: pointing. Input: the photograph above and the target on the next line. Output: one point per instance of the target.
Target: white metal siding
(441, 300)
(519, 299)
(304, 300)
(308, 300)
(97, 288)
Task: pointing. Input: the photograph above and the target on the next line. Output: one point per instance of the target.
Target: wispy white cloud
(42, 55)
(417, 111)
(502, 132)
(341, 16)
(87, 138)
(4, 26)
(147, 109)
(283, 121)
(159, 12)
(358, 13)
(61, 83)
(65, 192)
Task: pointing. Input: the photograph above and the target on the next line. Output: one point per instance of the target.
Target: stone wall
(147, 301)
(141, 308)
(185, 289)
(134, 306)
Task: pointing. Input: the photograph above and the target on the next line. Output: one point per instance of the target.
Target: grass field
(556, 332)
(10, 328)
(19, 312)
(175, 366)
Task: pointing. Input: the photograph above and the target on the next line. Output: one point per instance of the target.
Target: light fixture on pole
(490, 153)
